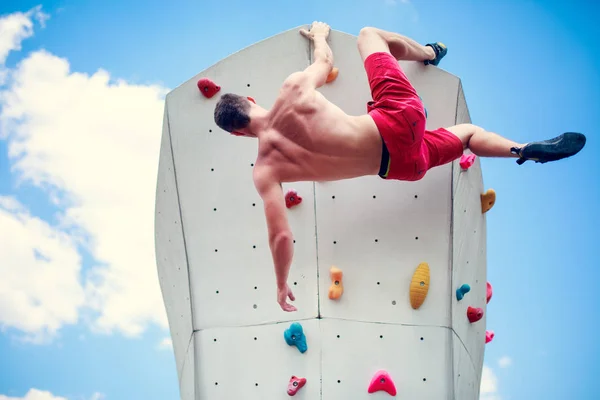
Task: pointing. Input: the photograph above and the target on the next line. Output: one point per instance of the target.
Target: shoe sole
(566, 145)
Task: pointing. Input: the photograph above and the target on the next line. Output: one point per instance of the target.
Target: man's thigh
(387, 81)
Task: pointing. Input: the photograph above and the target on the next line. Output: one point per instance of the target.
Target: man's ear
(251, 99)
(237, 133)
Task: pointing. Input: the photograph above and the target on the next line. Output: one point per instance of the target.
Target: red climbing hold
(295, 385)
(382, 381)
(208, 88)
(489, 336)
(489, 292)
(467, 160)
(474, 314)
(292, 199)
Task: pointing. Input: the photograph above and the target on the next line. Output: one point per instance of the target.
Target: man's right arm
(322, 64)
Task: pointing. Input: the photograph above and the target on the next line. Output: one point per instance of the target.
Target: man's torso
(311, 139)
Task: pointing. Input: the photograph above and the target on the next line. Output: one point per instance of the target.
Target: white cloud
(489, 385)
(40, 289)
(15, 28)
(166, 344)
(92, 145)
(35, 394)
(505, 362)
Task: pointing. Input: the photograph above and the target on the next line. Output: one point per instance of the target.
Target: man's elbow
(281, 239)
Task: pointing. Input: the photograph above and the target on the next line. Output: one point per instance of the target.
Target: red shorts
(409, 150)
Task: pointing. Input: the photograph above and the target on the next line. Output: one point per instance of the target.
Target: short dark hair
(231, 112)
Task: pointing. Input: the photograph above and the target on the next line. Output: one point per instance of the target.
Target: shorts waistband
(384, 167)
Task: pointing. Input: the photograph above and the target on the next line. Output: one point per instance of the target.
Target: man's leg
(484, 143)
(489, 144)
(373, 40)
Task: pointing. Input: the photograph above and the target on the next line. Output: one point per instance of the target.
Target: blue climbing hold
(294, 336)
(461, 291)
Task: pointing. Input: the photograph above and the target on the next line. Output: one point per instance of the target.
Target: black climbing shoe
(440, 51)
(566, 145)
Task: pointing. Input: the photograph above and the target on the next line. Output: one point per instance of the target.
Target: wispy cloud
(35, 394)
(17, 27)
(505, 362)
(166, 344)
(91, 144)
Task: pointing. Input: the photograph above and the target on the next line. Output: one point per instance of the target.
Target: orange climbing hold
(419, 285)
(337, 288)
(488, 199)
(333, 75)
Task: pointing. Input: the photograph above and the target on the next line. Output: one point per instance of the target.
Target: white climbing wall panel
(216, 271)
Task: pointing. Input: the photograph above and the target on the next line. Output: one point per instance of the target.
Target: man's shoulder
(263, 177)
(298, 79)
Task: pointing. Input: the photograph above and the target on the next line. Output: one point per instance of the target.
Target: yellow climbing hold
(337, 288)
(488, 199)
(419, 285)
(332, 75)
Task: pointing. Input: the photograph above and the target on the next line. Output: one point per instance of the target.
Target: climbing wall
(216, 273)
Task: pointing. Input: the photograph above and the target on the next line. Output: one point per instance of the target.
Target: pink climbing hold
(208, 88)
(467, 160)
(295, 385)
(474, 314)
(292, 198)
(489, 336)
(489, 292)
(382, 381)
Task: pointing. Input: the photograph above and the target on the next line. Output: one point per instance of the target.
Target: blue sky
(529, 71)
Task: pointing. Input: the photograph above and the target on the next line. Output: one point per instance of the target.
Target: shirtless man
(304, 137)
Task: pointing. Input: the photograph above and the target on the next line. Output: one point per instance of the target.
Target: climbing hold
(332, 75)
(419, 285)
(294, 336)
(295, 384)
(467, 160)
(489, 292)
(382, 381)
(337, 287)
(488, 199)
(489, 336)
(292, 198)
(208, 88)
(461, 291)
(474, 314)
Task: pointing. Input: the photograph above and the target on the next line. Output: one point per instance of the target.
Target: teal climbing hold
(294, 336)
(461, 291)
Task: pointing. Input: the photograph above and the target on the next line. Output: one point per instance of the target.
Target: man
(304, 137)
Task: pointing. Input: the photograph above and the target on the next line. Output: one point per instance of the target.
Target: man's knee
(465, 132)
(367, 30)
(370, 41)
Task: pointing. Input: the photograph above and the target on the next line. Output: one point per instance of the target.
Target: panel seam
(187, 261)
(314, 185)
(453, 185)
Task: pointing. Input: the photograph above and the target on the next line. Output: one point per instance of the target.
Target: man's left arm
(280, 235)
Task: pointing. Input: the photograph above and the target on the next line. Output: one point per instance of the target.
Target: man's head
(232, 114)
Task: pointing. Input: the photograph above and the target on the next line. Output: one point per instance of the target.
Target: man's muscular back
(308, 138)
